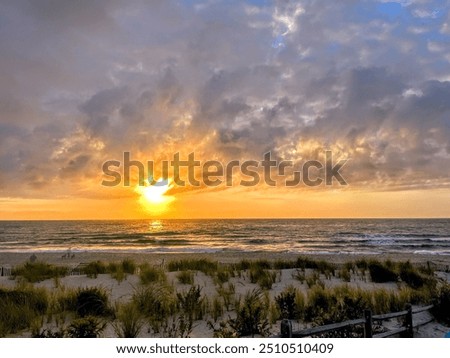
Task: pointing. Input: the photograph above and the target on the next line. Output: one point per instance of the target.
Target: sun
(153, 196)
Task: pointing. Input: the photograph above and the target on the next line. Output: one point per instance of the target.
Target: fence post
(368, 324)
(286, 328)
(409, 322)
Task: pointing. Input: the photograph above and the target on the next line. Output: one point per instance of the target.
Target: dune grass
(191, 303)
(382, 272)
(185, 277)
(227, 293)
(224, 273)
(251, 315)
(441, 301)
(95, 268)
(168, 313)
(157, 302)
(345, 274)
(39, 271)
(129, 321)
(92, 301)
(20, 307)
(86, 327)
(149, 274)
(119, 271)
(217, 308)
(208, 267)
(291, 303)
(265, 278)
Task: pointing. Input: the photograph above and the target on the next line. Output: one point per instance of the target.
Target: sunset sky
(82, 82)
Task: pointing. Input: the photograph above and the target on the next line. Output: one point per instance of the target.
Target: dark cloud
(81, 82)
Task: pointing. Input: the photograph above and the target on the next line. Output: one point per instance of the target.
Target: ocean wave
(431, 252)
(326, 236)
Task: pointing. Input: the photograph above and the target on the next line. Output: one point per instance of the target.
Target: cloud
(82, 84)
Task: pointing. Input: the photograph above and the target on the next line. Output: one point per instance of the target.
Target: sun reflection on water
(156, 225)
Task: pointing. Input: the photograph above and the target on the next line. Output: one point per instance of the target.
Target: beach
(211, 286)
(15, 258)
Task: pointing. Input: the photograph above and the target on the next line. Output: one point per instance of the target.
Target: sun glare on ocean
(153, 197)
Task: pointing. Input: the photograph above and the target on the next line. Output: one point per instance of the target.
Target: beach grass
(92, 301)
(217, 308)
(291, 303)
(149, 274)
(441, 309)
(251, 315)
(185, 277)
(167, 309)
(129, 321)
(157, 303)
(86, 327)
(20, 307)
(39, 271)
(264, 277)
(208, 267)
(95, 268)
(191, 303)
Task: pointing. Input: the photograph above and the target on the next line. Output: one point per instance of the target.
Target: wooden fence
(5, 270)
(407, 330)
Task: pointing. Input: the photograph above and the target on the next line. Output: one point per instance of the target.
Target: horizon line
(243, 218)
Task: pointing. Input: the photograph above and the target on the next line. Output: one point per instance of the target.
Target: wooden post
(286, 328)
(409, 322)
(368, 324)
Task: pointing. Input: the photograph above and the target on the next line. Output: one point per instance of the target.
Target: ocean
(318, 236)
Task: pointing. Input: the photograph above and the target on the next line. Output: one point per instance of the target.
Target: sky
(82, 82)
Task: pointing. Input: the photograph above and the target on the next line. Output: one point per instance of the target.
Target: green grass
(299, 275)
(382, 272)
(263, 277)
(39, 271)
(185, 277)
(86, 327)
(119, 271)
(128, 266)
(345, 274)
(157, 302)
(217, 308)
(172, 314)
(227, 293)
(441, 301)
(313, 279)
(284, 264)
(411, 276)
(92, 301)
(20, 307)
(324, 267)
(95, 268)
(129, 322)
(329, 305)
(251, 316)
(291, 303)
(151, 274)
(223, 274)
(206, 266)
(191, 304)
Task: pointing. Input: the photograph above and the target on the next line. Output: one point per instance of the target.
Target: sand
(14, 258)
(122, 291)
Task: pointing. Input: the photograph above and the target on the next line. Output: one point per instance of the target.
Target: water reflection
(155, 226)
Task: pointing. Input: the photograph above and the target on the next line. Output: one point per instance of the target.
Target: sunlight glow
(153, 196)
